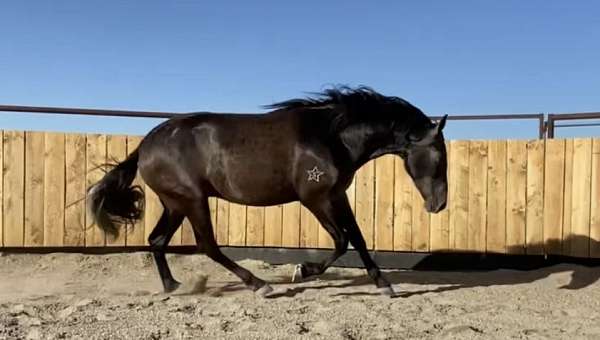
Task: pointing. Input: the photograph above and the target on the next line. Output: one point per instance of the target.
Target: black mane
(358, 104)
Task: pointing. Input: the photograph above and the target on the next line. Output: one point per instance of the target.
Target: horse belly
(257, 187)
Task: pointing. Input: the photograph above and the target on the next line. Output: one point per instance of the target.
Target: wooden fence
(512, 196)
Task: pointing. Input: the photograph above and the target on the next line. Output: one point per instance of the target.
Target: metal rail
(545, 129)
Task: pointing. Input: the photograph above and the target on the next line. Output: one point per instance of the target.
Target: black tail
(113, 201)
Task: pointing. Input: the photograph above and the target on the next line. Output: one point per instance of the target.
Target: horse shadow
(450, 271)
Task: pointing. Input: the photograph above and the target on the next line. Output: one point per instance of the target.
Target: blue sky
(455, 57)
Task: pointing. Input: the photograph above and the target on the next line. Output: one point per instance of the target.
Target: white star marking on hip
(314, 174)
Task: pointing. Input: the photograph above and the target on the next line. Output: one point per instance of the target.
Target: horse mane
(358, 104)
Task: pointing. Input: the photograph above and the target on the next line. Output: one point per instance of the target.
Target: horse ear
(440, 126)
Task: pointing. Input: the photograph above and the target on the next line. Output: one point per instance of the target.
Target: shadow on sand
(452, 271)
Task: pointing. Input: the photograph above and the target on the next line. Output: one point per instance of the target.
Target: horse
(305, 149)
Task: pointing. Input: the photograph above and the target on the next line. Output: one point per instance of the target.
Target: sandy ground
(74, 296)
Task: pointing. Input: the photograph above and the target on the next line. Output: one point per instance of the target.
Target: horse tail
(113, 201)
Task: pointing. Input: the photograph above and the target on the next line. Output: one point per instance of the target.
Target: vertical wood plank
(153, 211)
(420, 223)
(553, 195)
(290, 229)
(567, 213)
(136, 236)
(595, 201)
(14, 188)
(187, 233)
(212, 207)
(516, 196)
(255, 226)
(2, 214)
(496, 203)
(75, 190)
(309, 229)
(365, 201)
(324, 239)
(54, 190)
(34, 189)
(116, 152)
(535, 197)
(351, 194)
(96, 158)
(222, 222)
(458, 194)
(440, 229)
(273, 226)
(237, 224)
(477, 218)
(384, 204)
(580, 206)
(403, 187)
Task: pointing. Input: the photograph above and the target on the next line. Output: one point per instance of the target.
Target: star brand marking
(314, 174)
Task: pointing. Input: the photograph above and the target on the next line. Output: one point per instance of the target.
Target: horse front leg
(329, 213)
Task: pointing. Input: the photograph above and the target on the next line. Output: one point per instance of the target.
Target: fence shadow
(453, 271)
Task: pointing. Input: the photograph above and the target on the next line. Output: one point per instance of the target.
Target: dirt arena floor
(74, 296)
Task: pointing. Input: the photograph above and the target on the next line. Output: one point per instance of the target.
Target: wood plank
(554, 195)
(420, 223)
(255, 226)
(34, 189)
(384, 204)
(351, 194)
(365, 201)
(136, 236)
(403, 187)
(325, 240)
(54, 190)
(496, 202)
(74, 190)
(581, 190)
(566, 232)
(516, 196)
(290, 229)
(458, 194)
(273, 226)
(595, 201)
(535, 197)
(95, 158)
(440, 228)
(14, 188)
(477, 217)
(2, 187)
(309, 229)
(153, 211)
(237, 224)
(222, 222)
(187, 233)
(116, 152)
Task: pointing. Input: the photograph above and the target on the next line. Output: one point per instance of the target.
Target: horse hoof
(386, 291)
(297, 276)
(264, 291)
(171, 287)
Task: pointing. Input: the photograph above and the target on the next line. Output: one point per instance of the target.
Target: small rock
(17, 309)
(104, 317)
(34, 334)
(84, 302)
(33, 322)
(63, 314)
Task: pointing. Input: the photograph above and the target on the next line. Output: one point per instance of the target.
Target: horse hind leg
(159, 240)
(199, 216)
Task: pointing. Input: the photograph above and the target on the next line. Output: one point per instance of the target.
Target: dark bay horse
(305, 150)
